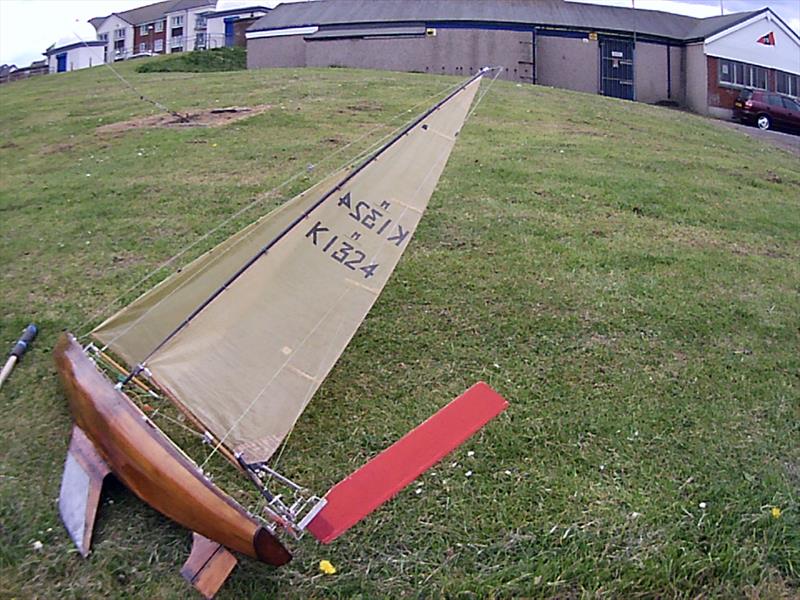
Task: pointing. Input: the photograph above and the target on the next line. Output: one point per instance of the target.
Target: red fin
(81, 484)
(381, 478)
(208, 565)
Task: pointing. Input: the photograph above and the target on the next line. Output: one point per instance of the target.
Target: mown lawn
(627, 276)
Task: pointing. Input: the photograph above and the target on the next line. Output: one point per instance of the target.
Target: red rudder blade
(381, 478)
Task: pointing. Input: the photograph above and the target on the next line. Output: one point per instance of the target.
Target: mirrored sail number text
(375, 219)
(340, 250)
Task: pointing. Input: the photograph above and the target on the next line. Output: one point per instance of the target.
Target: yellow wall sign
(593, 36)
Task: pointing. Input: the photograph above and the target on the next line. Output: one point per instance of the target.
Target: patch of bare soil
(213, 117)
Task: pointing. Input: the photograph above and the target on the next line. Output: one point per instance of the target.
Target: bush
(199, 61)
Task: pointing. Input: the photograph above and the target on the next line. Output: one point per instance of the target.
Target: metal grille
(616, 68)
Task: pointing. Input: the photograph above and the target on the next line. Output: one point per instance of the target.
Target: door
(616, 68)
(61, 62)
(229, 31)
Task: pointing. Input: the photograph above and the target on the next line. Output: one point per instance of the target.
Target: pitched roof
(554, 13)
(153, 12)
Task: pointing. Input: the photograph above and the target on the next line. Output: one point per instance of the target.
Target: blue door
(229, 33)
(61, 62)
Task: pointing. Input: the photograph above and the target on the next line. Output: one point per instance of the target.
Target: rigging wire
(285, 442)
(286, 230)
(256, 201)
(154, 102)
(322, 319)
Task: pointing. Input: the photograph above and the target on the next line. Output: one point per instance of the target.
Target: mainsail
(250, 359)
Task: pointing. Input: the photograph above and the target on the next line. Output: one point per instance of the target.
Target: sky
(53, 19)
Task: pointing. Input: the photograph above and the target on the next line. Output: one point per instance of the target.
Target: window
(158, 46)
(177, 21)
(736, 73)
(103, 37)
(791, 104)
(200, 23)
(159, 26)
(774, 100)
(755, 77)
(142, 29)
(119, 34)
(788, 84)
(176, 41)
(142, 47)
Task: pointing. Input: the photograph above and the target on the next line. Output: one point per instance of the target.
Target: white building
(117, 35)
(229, 15)
(160, 28)
(79, 49)
(186, 25)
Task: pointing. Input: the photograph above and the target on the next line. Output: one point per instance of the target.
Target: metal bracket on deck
(295, 514)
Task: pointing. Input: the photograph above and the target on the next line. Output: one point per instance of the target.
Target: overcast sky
(28, 27)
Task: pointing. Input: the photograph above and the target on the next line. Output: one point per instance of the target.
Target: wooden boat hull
(144, 459)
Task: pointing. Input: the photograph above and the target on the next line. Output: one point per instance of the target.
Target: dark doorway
(61, 62)
(616, 68)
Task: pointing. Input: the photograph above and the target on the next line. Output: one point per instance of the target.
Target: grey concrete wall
(282, 51)
(567, 63)
(650, 72)
(696, 79)
(450, 52)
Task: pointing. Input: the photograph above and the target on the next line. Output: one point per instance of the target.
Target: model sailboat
(240, 339)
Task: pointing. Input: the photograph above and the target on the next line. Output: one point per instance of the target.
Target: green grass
(627, 276)
(216, 59)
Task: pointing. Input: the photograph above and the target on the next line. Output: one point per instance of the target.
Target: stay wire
(284, 444)
(256, 201)
(156, 103)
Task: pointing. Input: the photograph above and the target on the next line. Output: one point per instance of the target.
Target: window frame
(158, 45)
(791, 81)
(159, 26)
(741, 75)
(176, 21)
(143, 30)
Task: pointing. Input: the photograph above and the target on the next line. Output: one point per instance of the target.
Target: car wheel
(764, 122)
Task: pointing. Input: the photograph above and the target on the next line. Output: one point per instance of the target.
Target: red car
(767, 110)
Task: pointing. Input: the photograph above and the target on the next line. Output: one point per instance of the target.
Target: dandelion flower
(326, 567)
(775, 512)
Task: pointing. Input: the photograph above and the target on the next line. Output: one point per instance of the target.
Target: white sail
(248, 363)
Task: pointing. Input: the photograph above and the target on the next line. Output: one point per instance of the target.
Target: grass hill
(627, 276)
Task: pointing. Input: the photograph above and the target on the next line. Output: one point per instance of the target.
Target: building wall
(77, 58)
(677, 78)
(570, 63)
(651, 74)
(449, 52)
(108, 27)
(187, 39)
(284, 51)
(150, 39)
(216, 27)
(696, 78)
(741, 44)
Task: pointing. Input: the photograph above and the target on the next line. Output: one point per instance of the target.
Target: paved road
(787, 141)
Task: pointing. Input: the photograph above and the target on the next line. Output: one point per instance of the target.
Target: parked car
(767, 110)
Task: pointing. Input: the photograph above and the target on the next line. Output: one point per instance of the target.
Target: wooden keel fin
(84, 473)
(208, 567)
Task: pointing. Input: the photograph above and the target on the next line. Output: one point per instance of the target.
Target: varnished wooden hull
(142, 458)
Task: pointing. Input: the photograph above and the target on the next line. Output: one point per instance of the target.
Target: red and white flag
(767, 40)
